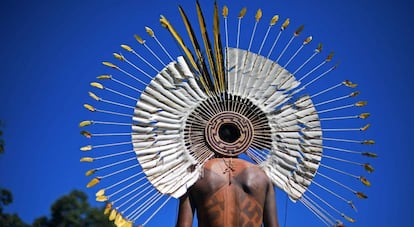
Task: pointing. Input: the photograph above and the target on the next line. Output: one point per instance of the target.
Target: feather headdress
(160, 125)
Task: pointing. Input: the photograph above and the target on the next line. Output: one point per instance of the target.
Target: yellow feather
(258, 15)
(225, 11)
(348, 218)
(274, 20)
(126, 47)
(86, 148)
(361, 103)
(353, 94)
(101, 198)
(364, 115)
(218, 50)
(149, 31)
(118, 219)
(94, 96)
(365, 127)
(165, 23)
(109, 64)
(368, 142)
(85, 123)
(122, 223)
(242, 13)
(112, 215)
(349, 84)
(100, 193)
(200, 67)
(104, 77)
(330, 56)
(370, 154)
(361, 195)
(108, 208)
(89, 107)
(285, 24)
(208, 49)
(139, 39)
(97, 85)
(365, 181)
(90, 172)
(93, 182)
(86, 159)
(191, 35)
(368, 168)
(307, 40)
(118, 56)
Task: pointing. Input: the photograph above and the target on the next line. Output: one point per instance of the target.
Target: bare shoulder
(251, 173)
(250, 167)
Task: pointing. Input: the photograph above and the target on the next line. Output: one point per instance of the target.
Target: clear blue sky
(51, 51)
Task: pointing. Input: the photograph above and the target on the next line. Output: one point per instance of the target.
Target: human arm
(185, 212)
(270, 212)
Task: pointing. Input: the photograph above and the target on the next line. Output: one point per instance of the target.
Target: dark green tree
(73, 210)
(6, 197)
(11, 220)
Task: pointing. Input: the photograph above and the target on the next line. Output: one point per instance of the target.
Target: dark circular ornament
(229, 133)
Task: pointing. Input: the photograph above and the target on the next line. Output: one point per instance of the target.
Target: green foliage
(75, 211)
(41, 222)
(11, 220)
(71, 210)
(5, 197)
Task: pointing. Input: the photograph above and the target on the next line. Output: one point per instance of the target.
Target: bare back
(233, 192)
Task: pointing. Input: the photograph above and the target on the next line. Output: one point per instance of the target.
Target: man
(230, 193)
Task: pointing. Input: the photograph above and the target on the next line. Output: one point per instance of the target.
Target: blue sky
(52, 50)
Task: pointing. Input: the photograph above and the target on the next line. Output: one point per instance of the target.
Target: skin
(231, 192)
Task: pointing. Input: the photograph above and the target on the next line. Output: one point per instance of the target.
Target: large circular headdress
(216, 101)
